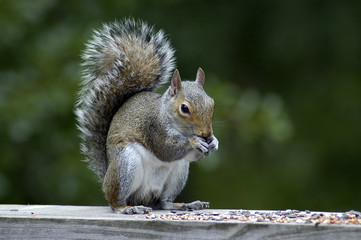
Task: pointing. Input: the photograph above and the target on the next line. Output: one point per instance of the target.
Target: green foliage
(285, 76)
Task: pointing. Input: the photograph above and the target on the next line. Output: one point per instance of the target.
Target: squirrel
(137, 141)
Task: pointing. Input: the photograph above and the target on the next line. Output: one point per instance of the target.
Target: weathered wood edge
(68, 222)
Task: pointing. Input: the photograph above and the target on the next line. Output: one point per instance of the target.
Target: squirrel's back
(121, 59)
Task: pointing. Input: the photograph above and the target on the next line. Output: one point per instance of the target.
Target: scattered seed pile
(287, 216)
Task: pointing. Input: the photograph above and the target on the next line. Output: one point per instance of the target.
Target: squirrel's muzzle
(206, 134)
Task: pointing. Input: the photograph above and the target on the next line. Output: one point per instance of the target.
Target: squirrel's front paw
(201, 145)
(212, 143)
(206, 145)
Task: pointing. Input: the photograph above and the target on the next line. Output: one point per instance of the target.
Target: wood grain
(82, 222)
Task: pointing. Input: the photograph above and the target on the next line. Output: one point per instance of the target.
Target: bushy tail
(121, 59)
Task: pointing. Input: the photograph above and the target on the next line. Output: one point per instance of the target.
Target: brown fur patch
(142, 61)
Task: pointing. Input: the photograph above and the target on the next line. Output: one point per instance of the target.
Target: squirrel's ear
(200, 77)
(176, 84)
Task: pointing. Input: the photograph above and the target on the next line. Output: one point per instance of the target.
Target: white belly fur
(153, 175)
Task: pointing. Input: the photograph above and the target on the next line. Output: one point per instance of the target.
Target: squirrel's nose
(206, 134)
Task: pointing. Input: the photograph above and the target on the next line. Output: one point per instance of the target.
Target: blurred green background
(285, 75)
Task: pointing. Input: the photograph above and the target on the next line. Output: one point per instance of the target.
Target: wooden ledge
(83, 222)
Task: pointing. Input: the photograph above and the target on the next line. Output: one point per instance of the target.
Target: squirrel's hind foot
(132, 209)
(196, 205)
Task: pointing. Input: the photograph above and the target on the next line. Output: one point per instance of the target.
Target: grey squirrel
(139, 142)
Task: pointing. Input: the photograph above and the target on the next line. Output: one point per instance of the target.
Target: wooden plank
(81, 222)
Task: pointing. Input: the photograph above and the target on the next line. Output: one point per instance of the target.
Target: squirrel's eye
(184, 108)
